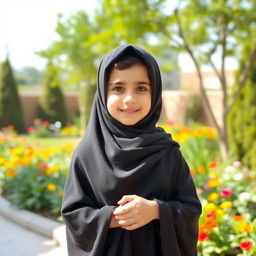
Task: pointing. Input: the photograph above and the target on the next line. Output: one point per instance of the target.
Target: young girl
(129, 191)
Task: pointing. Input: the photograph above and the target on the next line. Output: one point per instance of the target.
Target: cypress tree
(242, 122)
(10, 106)
(52, 106)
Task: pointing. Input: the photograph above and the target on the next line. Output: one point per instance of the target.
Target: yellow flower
(10, 173)
(210, 207)
(15, 151)
(61, 193)
(26, 161)
(213, 175)
(45, 154)
(226, 204)
(213, 196)
(52, 169)
(244, 227)
(214, 183)
(211, 134)
(30, 152)
(9, 164)
(67, 147)
(220, 212)
(51, 187)
(2, 160)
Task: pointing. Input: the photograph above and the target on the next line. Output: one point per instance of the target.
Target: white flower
(238, 176)
(226, 176)
(244, 196)
(230, 169)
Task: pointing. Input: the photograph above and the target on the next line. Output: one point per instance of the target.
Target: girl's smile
(129, 94)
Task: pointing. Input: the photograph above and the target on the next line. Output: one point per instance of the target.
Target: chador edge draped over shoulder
(113, 160)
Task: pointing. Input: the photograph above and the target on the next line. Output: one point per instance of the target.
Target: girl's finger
(121, 210)
(130, 227)
(126, 199)
(127, 222)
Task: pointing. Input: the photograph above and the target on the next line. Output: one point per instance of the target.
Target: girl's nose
(129, 98)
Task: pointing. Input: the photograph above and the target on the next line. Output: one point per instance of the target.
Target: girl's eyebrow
(143, 82)
(119, 82)
(116, 82)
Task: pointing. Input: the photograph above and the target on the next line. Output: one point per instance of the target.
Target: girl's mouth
(129, 110)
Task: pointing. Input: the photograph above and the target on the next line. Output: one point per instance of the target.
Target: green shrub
(52, 106)
(242, 123)
(10, 106)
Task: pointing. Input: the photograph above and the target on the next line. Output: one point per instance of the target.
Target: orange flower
(10, 127)
(212, 165)
(200, 169)
(238, 218)
(10, 173)
(210, 224)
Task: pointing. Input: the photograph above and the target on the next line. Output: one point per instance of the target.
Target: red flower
(246, 245)
(43, 166)
(211, 214)
(46, 123)
(203, 236)
(226, 192)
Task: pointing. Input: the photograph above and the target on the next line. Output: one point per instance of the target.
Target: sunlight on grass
(42, 143)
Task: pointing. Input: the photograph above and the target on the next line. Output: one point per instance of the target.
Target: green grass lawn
(42, 143)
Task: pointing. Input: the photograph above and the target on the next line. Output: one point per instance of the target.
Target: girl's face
(129, 94)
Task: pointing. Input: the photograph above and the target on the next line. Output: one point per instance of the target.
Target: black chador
(113, 160)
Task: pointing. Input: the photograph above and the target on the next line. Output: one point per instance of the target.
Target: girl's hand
(113, 222)
(135, 211)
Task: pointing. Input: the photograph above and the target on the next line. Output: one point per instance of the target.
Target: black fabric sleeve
(87, 225)
(179, 216)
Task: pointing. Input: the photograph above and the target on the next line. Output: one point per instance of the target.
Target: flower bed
(34, 178)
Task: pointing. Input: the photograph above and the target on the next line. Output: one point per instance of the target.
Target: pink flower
(226, 192)
(237, 164)
(245, 169)
(199, 191)
(31, 129)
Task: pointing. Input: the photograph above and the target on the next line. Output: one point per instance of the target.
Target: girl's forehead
(136, 71)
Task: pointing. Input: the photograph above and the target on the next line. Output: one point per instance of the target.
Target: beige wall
(29, 103)
(190, 81)
(174, 106)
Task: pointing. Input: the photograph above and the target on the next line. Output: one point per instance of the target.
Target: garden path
(18, 241)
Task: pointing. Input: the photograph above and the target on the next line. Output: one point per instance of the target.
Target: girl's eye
(117, 89)
(142, 89)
